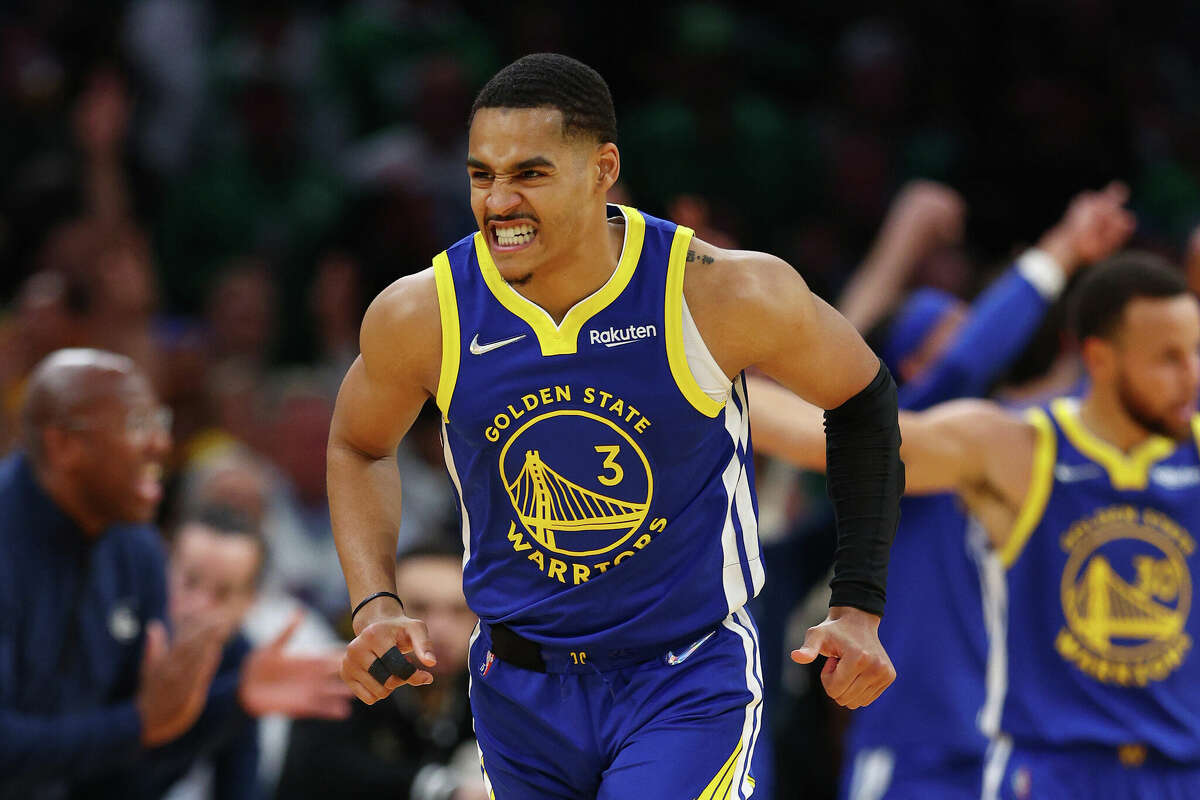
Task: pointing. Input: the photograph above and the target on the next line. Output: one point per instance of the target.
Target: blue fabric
(916, 319)
(1034, 774)
(1001, 322)
(934, 594)
(224, 735)
(72, 620)
(652, 730)
(602, 510)
(1122, 667)
(915, 773)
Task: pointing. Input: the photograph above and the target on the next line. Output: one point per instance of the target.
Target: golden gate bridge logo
(561, 513)
(1131, 625)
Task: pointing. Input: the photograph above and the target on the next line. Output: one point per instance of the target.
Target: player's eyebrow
(529, 163)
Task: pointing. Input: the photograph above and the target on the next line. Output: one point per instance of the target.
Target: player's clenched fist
(372, 644)
(858, 669)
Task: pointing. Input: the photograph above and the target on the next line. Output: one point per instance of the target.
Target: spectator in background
(216, 561)
(50, 314)
(305, 560)
(415, 745)
(89, 685)
(335, 300)
(237, 479)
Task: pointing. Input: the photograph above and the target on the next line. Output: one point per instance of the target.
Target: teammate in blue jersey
(1092, 507)
(922, 739)
(587, 361)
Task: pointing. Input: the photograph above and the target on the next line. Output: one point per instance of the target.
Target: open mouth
(149, 484)
(511, 236)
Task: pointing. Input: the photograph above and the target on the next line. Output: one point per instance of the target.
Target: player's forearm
(784, 426)
(865, 480)
(364, 507)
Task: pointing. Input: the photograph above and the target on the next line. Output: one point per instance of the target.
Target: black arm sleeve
(866, 480)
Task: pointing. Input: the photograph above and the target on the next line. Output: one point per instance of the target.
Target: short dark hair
(1107, 288)
(229, 521)
(551, 80)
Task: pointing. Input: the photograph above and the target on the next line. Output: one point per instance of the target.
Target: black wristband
(375, 596)
(865, 482)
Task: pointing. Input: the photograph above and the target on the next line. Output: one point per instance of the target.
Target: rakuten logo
(615, 337)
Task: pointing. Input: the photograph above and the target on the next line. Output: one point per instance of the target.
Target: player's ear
(608, 165)
(1099, 357)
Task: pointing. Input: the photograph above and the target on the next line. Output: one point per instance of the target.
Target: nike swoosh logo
(673, 659)
(478, 349)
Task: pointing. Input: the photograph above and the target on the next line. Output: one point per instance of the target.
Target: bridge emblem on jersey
(578, 484)
(1126, 595)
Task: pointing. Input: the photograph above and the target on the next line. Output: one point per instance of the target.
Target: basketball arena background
(218, 189)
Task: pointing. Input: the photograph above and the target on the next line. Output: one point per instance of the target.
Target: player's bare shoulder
(734, 295)
(401, 335)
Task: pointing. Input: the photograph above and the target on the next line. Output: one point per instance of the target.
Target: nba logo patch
(487, 663)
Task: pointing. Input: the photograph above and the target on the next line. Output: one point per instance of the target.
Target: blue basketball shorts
(882, 773)
(680, 725)
(1087, 773)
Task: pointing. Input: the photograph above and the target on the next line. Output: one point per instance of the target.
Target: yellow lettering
(624, 555)
(545, 393)
(618, 407)
(602, 566)
(501, 421)
(491, 434)
(562, 392)
(604, 397)
(582, 573)
(610, 463)
(517, 538)
(558, 569)
(530, 401)
(632, 413)
(536, 557)
(642, 541)
(515, 414)
(641, 425)
(589, 395)
(659, 524)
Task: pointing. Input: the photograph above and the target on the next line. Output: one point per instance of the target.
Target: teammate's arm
(972, 447)
(754, 310)
(380, 397)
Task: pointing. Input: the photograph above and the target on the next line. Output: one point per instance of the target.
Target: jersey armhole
(448, 313)
(673, 323)
(1041, 481)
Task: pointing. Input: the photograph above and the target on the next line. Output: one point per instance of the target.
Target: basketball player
(587, 361)
(1092, 507)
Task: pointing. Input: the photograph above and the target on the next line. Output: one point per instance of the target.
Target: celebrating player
(587, 361)
(1092, 507)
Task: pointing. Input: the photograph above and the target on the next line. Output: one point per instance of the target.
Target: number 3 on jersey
(610, 463)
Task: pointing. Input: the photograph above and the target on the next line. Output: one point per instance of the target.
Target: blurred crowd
(217, 190)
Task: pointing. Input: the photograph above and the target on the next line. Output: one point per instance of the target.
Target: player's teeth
(519, 234)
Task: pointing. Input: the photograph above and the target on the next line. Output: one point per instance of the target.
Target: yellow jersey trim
(721, 784)
(562, 339)
(1125, 471)
(451, 348)
(1196, 429)
(673, 322)
(1041, 481)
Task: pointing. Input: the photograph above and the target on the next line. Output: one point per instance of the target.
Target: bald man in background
(88, 680)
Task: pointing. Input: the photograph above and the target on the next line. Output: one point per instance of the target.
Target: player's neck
(1102, 413)
(558, 285)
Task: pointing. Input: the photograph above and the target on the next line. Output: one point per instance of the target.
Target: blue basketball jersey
(935, 609)
(1100, 629)
(606, 499)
